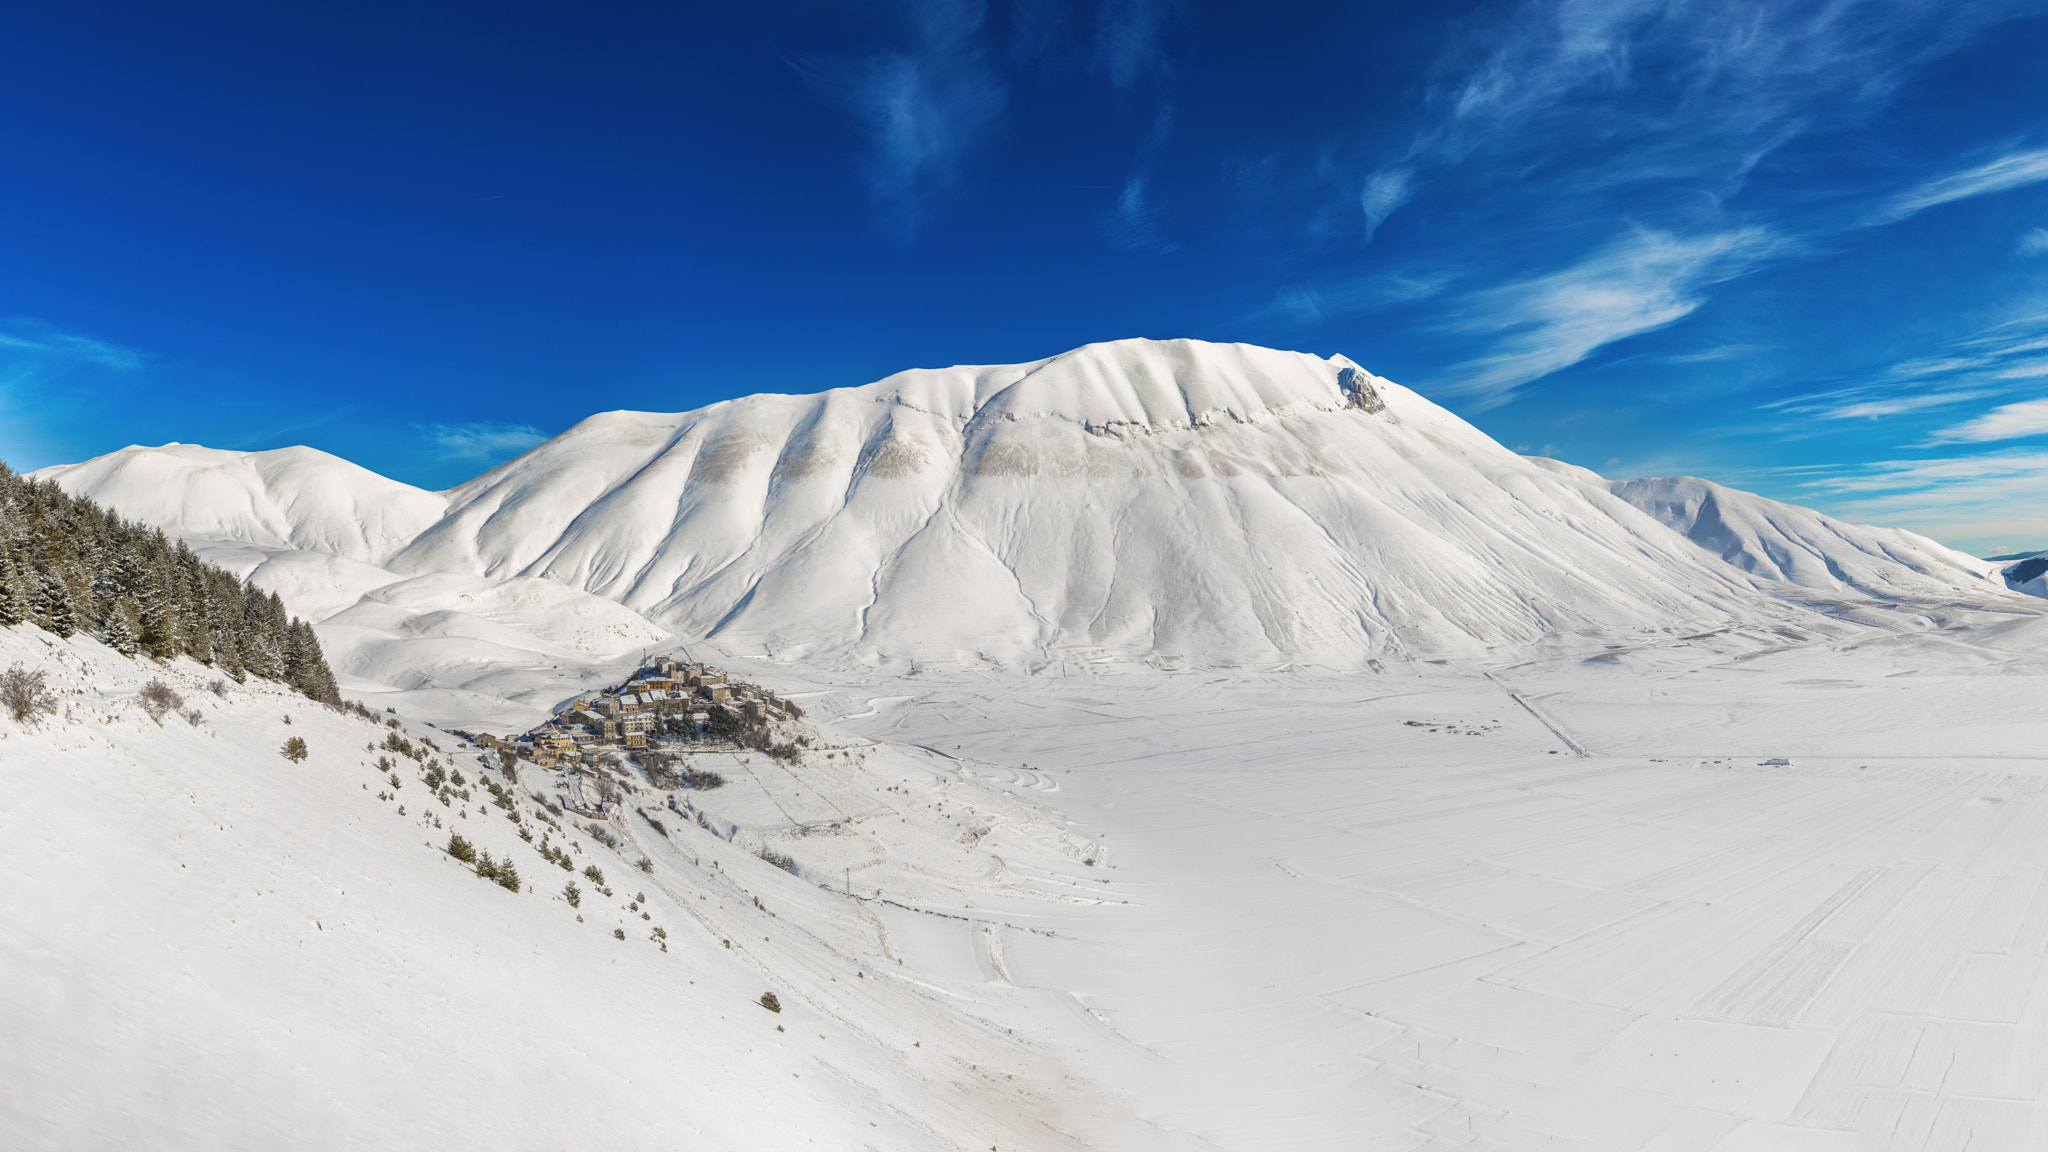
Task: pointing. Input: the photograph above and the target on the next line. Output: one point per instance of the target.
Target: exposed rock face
(1357, 387)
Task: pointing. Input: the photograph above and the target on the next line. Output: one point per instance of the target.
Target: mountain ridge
(1216, 503)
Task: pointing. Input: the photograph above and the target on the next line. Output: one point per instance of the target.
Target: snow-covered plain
(1346, 781)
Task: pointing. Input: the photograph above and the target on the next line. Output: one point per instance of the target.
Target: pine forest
(69, 566)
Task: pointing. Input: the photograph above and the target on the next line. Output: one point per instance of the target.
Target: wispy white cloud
(922, 106)
(1641, 282)
(43, 369)
(2033, 242)
(34, 344)
(2005, 422)
(483, 440)
(1985, 365)
(1987, 503)
(1385, 191)
(1133, 225)
(1127, 41)
(1667, 106)
(2012, 170)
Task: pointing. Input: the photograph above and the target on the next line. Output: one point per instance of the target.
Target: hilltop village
(665, 703)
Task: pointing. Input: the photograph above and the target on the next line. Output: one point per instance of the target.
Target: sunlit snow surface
(1214, 763)
(1322, 912)
(1400, 912)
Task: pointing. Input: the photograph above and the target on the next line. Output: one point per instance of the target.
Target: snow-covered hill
(1220, 504)
(2026, 573)
(1803, 547)
(206, 945)
(291, 498)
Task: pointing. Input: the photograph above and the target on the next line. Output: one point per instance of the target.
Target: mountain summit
(1222, 503)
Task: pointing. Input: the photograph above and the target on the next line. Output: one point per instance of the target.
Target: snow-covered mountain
(2027, 572)
(291, 498)
(1219, 503)
(1800, 546)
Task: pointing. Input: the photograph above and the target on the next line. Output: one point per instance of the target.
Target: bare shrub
(661, 768)
(644, 864)
(157, 698)
(25, 694)
(193, 717)
(602, 835)
(218, 687)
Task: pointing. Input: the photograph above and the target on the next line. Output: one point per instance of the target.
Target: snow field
(206, 945)
(1354, 922)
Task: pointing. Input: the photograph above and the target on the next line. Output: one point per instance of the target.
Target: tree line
(70, 566)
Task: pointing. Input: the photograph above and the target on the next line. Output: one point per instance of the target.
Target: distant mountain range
(1213, 503)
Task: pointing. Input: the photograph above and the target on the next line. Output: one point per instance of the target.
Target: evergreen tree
(14, 605)
(123, 631)
(159, 617)
(53, 607)
(69, 565)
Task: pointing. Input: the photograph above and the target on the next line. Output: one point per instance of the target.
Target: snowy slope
(2029, 574)
(1803, 547)
(204, 945)
(1220, 504)
(297, 498)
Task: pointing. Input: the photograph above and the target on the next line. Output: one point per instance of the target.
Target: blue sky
(1796, 247)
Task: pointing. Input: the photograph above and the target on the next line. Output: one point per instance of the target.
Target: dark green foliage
(435, 777)
(70, 566)
(508, 876)
(295, 749)
(596, 877)
(123, 631)
(769, 1002)
(461, 849)
(618, 933)
(573, 894)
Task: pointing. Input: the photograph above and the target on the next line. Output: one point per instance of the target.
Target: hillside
(209, 945)
(1803, 547)
(1177, 501)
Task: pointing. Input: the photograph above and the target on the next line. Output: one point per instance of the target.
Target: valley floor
(1792, 897)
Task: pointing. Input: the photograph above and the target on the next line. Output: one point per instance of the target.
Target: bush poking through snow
(644, 864)
(294, 749)
(461, 849)
(769, 1002)
(618, 933)
(572, 894)
(25, 695)
(602, 835)
(218, 687)
(194, 716)
(157, 698)
(595, 877)
(500, 872)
